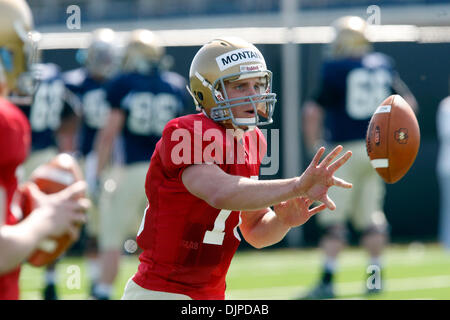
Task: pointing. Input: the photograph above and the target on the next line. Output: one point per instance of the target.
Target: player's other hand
(61, 212)
(295, 212)
(319, 177)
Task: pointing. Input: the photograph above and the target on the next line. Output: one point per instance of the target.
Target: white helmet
(102, 53)
(350, 37)
(143, 51)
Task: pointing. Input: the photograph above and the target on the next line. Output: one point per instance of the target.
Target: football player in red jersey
(202, 181)
(55, 214)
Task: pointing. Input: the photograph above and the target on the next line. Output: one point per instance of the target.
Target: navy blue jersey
(50, 106)
(94, 106)
(148, 103)
(351, 89)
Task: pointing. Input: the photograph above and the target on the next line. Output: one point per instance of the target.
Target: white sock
(50, 276)
(330, 265)
(377, 261)
(103, 289)
(94, 270)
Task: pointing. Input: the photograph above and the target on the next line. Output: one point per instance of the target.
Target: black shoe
(94, 295)
(98, 297)
(50, 292)
(92, 289)
(321, 291)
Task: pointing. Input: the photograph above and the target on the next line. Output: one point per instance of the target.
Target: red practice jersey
(15, 139)
(187, 244)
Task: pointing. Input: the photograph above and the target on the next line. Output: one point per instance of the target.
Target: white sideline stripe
(37, 295)
(290, 292)
(349, 288)
(380, 163)
(349, 260)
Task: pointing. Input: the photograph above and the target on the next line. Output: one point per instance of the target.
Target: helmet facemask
(28, 81)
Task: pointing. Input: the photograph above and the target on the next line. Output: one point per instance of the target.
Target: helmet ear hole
(199, 95)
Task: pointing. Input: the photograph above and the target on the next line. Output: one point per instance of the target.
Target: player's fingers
(328, 203)
(318, 155)
(338, 163)
(317, 209)
(84, 204)
(36, 193)
(78, 206)
(74, 232)
(330, 157)
(342, 183)
(308, 202)
(76, 190)
(79, 218)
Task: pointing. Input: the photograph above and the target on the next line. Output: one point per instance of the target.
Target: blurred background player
(100, 63)
(55, 214)
(143, 99)
(354, 81)
(53, 116)
(443, 170)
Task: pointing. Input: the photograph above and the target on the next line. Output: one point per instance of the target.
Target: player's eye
(260, 87)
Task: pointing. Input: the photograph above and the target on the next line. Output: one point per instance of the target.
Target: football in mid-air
(53, 176)
(393, 138)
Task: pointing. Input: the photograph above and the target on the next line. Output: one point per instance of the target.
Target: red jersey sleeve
(15, 135)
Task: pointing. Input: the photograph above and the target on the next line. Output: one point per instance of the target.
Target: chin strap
(250, 123)
(197, 105)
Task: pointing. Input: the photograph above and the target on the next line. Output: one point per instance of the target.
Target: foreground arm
(266, 227)
(223, 191)
(291, 198)
(57, 214)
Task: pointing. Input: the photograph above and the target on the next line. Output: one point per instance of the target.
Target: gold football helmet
(350, 38)
(18, 44)
(230, 59)
(143, 52)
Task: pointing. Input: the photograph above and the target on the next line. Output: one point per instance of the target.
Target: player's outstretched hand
(295, 212)
(319, 176)
(61, 212)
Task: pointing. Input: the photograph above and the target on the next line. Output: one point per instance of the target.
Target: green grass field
(413, 271)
